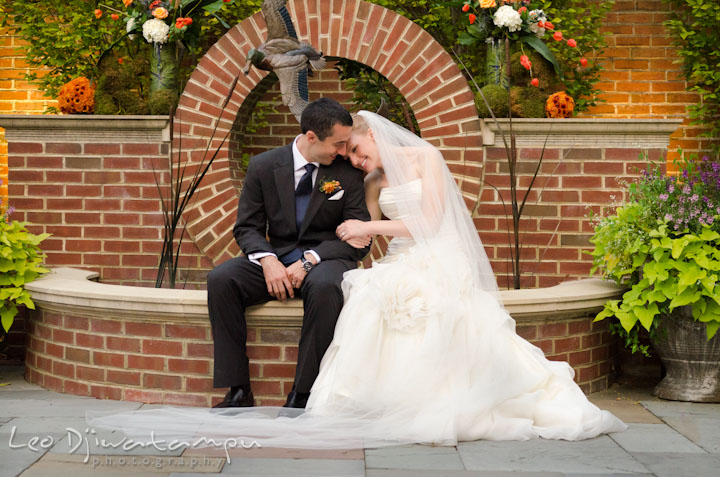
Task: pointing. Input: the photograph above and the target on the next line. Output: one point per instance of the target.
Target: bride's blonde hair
(359, 126)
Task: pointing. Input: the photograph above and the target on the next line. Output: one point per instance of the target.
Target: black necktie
(302, 195)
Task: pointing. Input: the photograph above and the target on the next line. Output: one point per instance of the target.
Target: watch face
(307, 266)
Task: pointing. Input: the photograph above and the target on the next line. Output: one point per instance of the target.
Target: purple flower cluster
(687, 201)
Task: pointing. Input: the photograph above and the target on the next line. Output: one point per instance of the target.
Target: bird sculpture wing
(277, 18)
(294, 87)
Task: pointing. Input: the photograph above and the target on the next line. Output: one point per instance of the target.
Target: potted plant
(664, 244)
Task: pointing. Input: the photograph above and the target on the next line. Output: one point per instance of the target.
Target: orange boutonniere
(329, 186)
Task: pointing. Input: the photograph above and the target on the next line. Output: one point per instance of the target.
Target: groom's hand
(276, 278)
(297, 273)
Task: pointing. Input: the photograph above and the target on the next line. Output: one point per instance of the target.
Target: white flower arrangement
(507, 17)
(155, 31)
(130, 26)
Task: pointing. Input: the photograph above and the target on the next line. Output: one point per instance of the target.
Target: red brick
(189, 366)
(163, 347)
(55, 350)
(567, 344)
(18, 148)
(63, 336)
(77, 389)
(186, 400)
(267, 388)
(161, 381)
(63, 369)
(138, 395)
(63, 148)
(263, 352)
(108, 359)
(146, 362)
(143, 328)
(77, 355)
(278, 370)
(579, 326)
(90, 374)
(553, 329)
(106, 326)
(203, 350)
(186, 331)
(199, 385)
(131, 378)
(106, 392)
(591, 341)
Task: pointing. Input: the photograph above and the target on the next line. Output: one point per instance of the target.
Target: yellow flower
(160, 13)
(487, 4)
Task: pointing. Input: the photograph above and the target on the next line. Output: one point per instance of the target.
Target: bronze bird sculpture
(284, 54)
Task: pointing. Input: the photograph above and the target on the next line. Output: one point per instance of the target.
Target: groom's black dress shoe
(297, 400)
(240, 397)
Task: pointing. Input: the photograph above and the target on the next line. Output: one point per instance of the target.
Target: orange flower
(160, 13)
(472, 18)
(127, 2)
(466, 7)
(557, 36)
(535, 82)
(487, 4)
(583, 62)
(572, 43)
(98, 13)
(329, 186)
(559, 105)
(115, 16)
(121, 61)
(77, 97)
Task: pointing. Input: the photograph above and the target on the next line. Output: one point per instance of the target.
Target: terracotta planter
(691, 361)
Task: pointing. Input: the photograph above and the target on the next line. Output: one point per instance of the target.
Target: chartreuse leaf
(684, 298)
(646, 315)
(6, 316)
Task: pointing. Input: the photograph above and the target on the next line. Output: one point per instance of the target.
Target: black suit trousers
(238, 283)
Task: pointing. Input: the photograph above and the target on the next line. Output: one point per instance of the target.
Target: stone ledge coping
(581, 133)
(70, 289)
(84, 128)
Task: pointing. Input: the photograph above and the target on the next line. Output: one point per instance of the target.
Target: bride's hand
(359, 242)
(351, 229)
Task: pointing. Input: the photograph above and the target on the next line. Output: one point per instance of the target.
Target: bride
(423, 350)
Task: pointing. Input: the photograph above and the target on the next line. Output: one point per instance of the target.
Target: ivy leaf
(646, 315)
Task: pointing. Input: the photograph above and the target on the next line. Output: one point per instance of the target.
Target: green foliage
(497, 98)
(695, 29)
(580, 20)
(121, 87)
(64, 39)
(369, 89)
(20, 263)
(665, 245)
(527, 102)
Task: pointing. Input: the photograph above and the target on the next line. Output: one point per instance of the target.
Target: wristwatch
(306, 264)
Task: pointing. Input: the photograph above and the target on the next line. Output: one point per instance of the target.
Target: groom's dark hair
(321, 115)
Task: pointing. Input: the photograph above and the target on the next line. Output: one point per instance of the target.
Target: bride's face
(363, 153)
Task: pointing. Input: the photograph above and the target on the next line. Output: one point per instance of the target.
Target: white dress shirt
(299, 163)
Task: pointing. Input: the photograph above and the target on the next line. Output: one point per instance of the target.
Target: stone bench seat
(155, 345)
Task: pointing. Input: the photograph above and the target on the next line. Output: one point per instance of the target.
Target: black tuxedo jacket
(266, 209)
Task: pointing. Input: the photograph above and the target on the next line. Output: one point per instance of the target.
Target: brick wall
(98, 198)
(641, 76)
(17, 96)
(171, 363)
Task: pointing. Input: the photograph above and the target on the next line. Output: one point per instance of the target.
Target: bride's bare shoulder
(375, 180)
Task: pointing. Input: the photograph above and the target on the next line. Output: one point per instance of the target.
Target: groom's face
(326, 150)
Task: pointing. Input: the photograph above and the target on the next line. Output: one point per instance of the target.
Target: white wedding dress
(439, 362)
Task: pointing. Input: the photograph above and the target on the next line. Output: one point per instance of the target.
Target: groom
(286, 228)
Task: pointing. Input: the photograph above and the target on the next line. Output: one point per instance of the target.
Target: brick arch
(403, 52)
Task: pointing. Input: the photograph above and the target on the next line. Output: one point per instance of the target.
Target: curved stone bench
(155, 345)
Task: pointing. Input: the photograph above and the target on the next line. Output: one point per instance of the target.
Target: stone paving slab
(626, 409)
(61, 407)
(289, 467)
(278, 453)
(703, 431)
(414, 457)
(685, 465)
(111, 465)
(457, 473)
(14, 461)
(600, 455)
(654, 438)
(664, 409)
